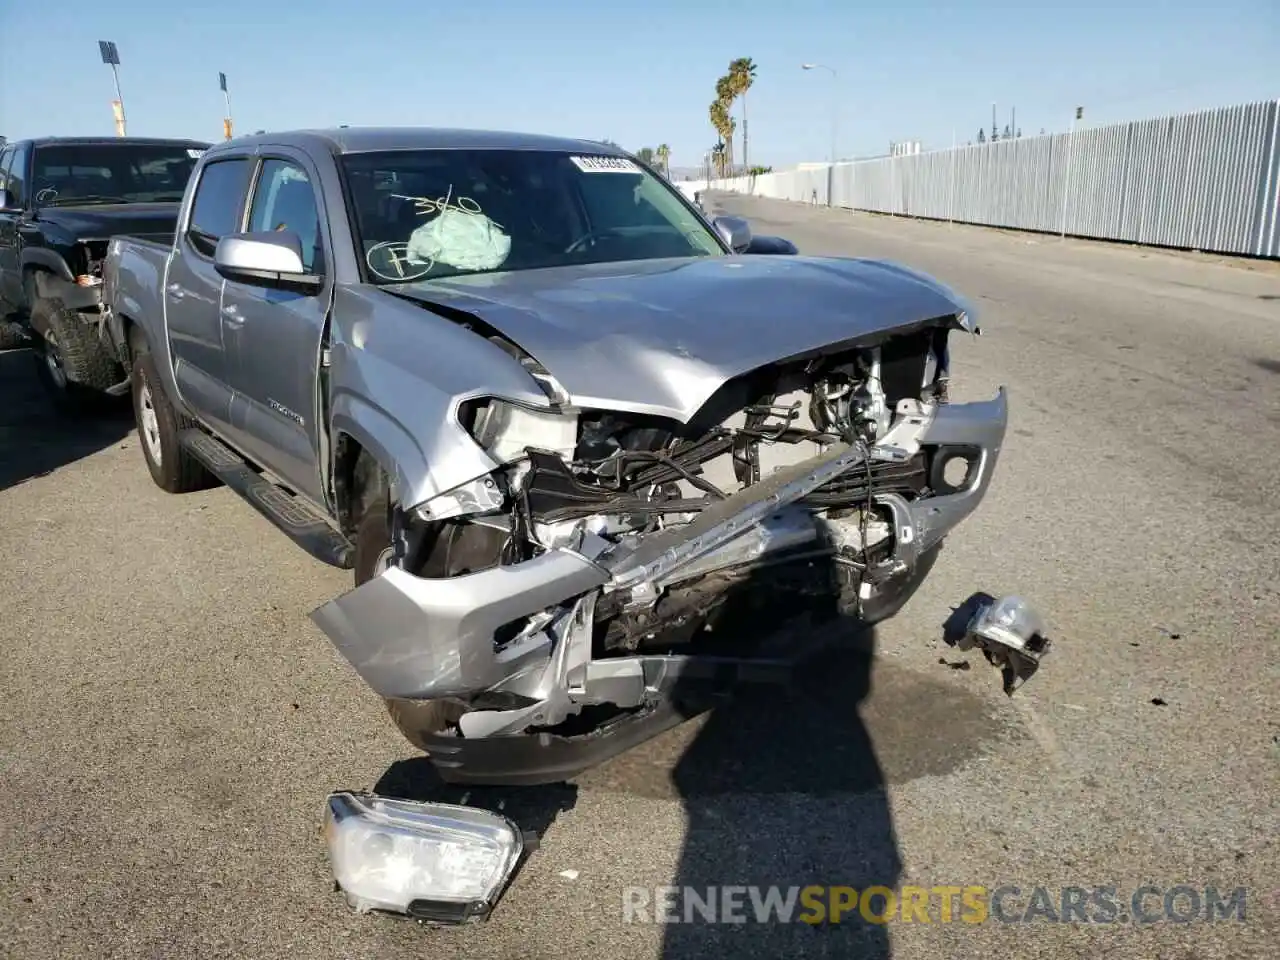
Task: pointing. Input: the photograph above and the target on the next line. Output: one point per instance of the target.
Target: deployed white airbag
(460, 239)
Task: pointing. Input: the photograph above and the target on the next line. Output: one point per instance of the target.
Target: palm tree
(719, 114)
(730, 128)
(717, 154)
(664, 158)
(742, 74)
(725, 95)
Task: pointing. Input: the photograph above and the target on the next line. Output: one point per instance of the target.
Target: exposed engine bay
(596, 566)
(613, 480)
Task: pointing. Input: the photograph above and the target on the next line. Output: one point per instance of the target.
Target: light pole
(835, 102)
(1066, 185)
(226, 97)
(835, 124)
(111, 57)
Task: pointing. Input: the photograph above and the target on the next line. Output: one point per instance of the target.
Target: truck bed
(133, 281)
(163, 238)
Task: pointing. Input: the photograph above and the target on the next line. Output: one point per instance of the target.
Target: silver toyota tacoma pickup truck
(569, 433)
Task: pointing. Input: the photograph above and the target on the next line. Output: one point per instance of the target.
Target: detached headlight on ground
(1012, 636)
(430, 861)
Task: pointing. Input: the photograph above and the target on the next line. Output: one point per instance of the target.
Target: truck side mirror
(8, 202)
(270, 259)
(735, 231)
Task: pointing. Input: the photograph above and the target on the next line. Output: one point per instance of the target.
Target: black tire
(72, 362)
(11, 336)
(897, 592)
(175, 470)
(416, 719)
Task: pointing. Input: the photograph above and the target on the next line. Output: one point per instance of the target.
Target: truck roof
(343, 140)
(104, 141)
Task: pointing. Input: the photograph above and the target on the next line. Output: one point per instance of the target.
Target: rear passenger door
(193, 290)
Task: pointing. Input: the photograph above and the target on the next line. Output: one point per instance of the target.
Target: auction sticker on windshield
(605, 165)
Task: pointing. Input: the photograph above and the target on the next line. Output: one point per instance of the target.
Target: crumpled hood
(661, 336)
(102, 221)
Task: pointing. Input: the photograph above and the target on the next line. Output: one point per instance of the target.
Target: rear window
(66, 174)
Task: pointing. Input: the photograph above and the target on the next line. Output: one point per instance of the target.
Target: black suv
(61, 200)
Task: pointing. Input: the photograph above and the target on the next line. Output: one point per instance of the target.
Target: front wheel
(416, 719)
(73, 364)
(889, 597)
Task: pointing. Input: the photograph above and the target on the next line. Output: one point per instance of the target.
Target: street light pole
(111, 57)
(226, 97)
(835, 124)
(835, 112)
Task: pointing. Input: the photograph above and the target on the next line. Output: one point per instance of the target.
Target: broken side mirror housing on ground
(435, 862)
(1011, 634)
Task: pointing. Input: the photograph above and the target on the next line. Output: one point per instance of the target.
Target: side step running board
(298, 521)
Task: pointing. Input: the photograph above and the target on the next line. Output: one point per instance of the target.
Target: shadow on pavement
(532, 809)
(34, 439)
(782, 789)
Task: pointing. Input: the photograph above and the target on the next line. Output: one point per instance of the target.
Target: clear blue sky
(635, 71)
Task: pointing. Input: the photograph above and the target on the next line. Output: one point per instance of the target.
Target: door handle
(176, 291)
(231, 313)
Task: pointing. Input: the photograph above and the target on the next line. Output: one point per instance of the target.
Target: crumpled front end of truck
(566, 602)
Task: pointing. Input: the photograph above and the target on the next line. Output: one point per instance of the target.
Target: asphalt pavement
(170, 720)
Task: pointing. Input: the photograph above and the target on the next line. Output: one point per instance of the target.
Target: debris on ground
(1010, 634)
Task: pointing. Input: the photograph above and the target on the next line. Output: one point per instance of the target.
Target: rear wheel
(73, 364)
(159, 425)
(416, 719)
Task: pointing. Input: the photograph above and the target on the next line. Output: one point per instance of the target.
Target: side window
(15, 176)
(219, 198)
(285, 200)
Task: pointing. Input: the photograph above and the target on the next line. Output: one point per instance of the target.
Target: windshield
(111, 173)
(423, 214)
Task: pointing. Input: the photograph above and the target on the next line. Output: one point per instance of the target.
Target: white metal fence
(1205, 181)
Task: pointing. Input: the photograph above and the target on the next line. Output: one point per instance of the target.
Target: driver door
(273, 337)
(12, 173)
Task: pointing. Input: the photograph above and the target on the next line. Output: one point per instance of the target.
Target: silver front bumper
(421, 639)
(417, 638)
